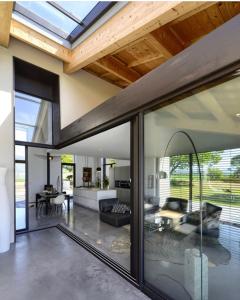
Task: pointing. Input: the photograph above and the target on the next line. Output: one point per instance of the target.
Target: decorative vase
(4, 213)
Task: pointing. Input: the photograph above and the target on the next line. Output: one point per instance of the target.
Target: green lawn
(216, 192)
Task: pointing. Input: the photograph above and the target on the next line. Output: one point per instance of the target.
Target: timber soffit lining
(128, 60)
(153, 49)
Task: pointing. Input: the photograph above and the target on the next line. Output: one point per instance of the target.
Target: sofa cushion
(120, 209)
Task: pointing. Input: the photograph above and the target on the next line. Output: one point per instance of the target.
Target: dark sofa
(210, 219)
(176, 204)
(107, 216)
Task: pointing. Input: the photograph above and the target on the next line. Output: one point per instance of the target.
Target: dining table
(47, 196)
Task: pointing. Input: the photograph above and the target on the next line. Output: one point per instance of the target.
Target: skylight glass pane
(79, 9)
(47, 16)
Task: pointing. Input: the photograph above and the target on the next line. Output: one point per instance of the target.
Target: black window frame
(81, 25)
(95, 14)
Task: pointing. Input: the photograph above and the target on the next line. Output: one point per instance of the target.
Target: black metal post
(48, 168)
(190, 181)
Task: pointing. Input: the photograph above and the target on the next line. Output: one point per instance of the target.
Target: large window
(192, 195)
(33, 119)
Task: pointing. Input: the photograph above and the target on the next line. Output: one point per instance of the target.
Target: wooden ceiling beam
(37, 40)
(132, 22)
(5, 21)
(145, 60)
(114, 66)
(168, 44)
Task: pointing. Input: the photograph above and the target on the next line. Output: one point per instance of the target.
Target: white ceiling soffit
(113, 143)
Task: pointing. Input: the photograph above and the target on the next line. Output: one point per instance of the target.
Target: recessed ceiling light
(238, 115)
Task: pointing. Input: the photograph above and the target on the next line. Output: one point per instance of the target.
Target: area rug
(170, 246)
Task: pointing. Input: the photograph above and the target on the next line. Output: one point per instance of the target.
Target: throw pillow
(173, 205)
(120, 209)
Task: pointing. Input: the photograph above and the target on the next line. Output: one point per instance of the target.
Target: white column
(4, 213)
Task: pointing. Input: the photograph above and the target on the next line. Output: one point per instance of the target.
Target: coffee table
(163, 220)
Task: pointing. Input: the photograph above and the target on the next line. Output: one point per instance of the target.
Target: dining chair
(58, 202)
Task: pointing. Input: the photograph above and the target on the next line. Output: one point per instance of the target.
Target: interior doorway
(68, 177)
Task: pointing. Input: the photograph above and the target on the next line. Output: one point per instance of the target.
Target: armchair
(210, 219)
(107, 216)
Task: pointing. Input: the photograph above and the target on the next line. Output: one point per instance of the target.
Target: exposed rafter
(5, 21)
(132, 22)
(37, 40)
(112, 65)
(168, 44)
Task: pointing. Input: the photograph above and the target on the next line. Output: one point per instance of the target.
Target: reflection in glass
(20, 195)
(196, 256)
(33, 119)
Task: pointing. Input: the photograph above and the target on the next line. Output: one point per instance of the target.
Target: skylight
(65, 19)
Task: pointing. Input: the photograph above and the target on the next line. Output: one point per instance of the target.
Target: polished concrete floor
(112, 241)
(164, 266)
(85, 223)
(48, 265)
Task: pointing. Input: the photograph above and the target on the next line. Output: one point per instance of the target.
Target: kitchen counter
(89, 197)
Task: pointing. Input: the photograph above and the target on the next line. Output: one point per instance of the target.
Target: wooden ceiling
(128, 63)
(136, 40)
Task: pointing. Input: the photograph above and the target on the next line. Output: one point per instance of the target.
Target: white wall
(55, 172)
(37, 171)
(6, 127)
(79, 93)
(86, 161)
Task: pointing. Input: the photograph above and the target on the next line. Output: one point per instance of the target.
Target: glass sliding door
(192, 195)
(102, 199)
(20, 188)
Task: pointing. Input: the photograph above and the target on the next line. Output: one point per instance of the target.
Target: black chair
(114, 219)
(48, 187)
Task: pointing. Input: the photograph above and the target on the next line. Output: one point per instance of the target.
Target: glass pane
(80, 9)
(68, 179)
(33, 119)
(20, 195)
(48, 16)
(196, 256)
(101, 214)
(19, 152)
